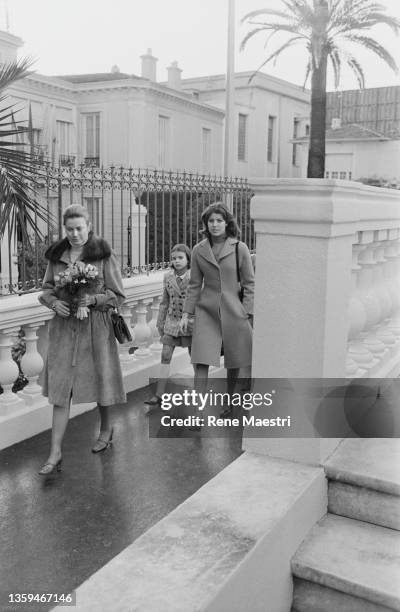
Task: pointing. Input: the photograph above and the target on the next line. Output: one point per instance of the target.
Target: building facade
(269, 112)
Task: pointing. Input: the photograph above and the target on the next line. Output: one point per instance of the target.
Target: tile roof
(354, 131)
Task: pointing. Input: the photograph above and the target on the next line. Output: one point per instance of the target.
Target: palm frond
(19, 173)
(372, 45)
(334, 56)
(259, 12)
(272, 28)
(13, 71)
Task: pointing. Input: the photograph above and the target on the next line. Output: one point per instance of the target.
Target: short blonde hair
(76, 210)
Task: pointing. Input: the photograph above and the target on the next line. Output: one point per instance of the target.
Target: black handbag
(121, 330)
(241, 290)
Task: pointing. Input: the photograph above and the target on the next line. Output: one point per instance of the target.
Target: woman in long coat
(221, 319)
(82, 361)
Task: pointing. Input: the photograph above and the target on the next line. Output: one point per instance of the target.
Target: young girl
(169, 317)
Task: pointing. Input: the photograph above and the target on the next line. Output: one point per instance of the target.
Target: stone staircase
(350, 561)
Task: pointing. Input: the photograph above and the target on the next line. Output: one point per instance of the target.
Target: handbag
(121, 330)
(241, 290)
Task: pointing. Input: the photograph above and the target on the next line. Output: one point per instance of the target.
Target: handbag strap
(237, 261)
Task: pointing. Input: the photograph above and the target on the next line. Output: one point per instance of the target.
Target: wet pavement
(55, 532)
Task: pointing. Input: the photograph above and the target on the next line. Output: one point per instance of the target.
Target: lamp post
(229, 95)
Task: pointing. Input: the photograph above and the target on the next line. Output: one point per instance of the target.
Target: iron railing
(142, 213)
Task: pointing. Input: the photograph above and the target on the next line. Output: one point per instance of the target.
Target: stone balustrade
(327, 300)
(27, 412)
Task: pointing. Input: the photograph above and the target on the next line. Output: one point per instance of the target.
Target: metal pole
(229, 97)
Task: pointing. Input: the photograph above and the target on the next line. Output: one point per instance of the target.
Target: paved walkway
(56, 532)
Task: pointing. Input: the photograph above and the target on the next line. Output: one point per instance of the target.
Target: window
(335, 175)
(342, 175)
(350, 175)
(296, 124)
(271, 138)
(326, 174)
(92, 138)
(206, 150)
(242, 137)
(163, 141)
(307, 130)
(63, 135)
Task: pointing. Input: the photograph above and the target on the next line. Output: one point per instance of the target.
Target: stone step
(364, 481)
(347, 565)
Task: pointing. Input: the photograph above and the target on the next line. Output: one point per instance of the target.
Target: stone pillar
(305, 230)
(137, 224)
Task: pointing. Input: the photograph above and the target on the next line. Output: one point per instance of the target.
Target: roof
(96, 77)
(352, 131)
(375, 108)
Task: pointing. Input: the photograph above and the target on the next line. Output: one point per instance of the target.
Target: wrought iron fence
(142, 213)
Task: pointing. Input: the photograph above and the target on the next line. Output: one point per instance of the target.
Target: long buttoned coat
(170, 313)
(82, 357)
(213, 297)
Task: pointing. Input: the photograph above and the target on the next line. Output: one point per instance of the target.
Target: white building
(117, 119)
(269, 112)
(362, 136)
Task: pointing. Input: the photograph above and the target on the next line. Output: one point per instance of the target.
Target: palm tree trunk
(316, 153)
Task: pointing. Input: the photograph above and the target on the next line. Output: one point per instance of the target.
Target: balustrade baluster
(142, 329)
(31, 365)
(358, 355)
(8, 372)
(370, 299)
(392, 247)
(156, 345)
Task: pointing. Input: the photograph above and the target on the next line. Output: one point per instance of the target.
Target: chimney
(149, 66)
(174, 76)
(336, 123)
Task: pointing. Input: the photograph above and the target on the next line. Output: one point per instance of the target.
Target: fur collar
(95, 248)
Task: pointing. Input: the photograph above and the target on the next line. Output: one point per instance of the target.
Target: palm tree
(325, 28)
(19, 207)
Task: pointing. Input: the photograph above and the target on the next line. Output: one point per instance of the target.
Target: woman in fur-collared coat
(82, 361)
(221, 319)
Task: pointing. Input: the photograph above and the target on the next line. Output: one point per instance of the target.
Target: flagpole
(229, 95)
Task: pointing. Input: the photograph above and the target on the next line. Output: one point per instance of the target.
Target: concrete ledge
(228, 547)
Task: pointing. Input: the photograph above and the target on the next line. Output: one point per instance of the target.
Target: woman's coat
(170, 313)
(82, 357)
(213, 297)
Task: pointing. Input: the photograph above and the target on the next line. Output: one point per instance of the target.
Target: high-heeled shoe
(101, 445)
(49, 468)
(154, 401)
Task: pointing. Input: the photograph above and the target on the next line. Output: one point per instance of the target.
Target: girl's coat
(213, 297)
(171, 306)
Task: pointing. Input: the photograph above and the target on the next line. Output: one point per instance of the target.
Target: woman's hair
(76, 210)
(232, 228)
(183, 249)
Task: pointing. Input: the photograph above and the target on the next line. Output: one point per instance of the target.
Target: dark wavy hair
(183, 248)
(232, 228)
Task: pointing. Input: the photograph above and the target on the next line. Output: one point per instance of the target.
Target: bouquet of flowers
(78, 280)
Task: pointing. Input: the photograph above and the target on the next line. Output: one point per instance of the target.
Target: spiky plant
(328, 29)
(19, 207)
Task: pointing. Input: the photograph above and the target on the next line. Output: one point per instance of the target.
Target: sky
(82, 36)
